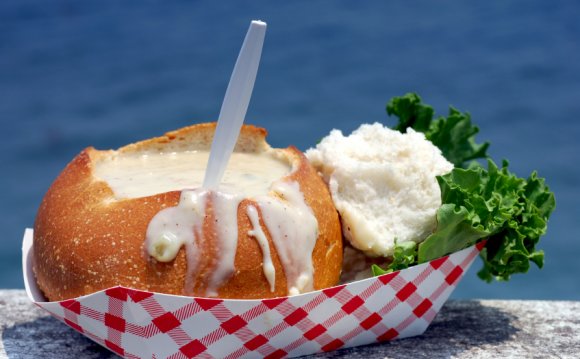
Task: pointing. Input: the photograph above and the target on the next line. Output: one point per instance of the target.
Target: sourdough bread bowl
(89, 235)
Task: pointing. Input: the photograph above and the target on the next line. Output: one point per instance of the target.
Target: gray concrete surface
(463, 329)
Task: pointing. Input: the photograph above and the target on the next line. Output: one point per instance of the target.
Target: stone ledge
(463, 329)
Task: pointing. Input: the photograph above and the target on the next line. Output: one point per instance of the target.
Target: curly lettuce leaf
(454, 134)
(511, 212)
(411, 113)
(455, 230)
(512, 249)
(404, 256)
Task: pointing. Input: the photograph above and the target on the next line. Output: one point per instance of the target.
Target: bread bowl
(89, 236)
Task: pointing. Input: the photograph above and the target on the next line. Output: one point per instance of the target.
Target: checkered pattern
(137, 324)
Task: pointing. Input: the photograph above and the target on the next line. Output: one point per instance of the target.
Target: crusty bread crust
(86, 240)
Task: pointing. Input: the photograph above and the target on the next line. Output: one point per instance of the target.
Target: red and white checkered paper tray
(138, 324)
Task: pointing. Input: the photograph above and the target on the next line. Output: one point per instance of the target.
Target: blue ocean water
(106, 73)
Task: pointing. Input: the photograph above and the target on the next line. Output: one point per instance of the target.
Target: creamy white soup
(146, 174)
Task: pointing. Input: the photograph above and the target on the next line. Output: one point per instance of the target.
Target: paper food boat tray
(138, 324)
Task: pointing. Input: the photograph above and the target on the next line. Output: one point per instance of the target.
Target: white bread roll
(383, 185)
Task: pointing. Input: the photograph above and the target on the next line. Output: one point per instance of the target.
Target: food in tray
(137, 216)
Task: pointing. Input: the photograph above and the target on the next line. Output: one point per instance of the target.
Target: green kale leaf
(404, 256)
(454, 134)
(511, 212)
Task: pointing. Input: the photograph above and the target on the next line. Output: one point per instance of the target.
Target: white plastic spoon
(235, 104)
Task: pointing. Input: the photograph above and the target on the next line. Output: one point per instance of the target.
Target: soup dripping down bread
(136, 217)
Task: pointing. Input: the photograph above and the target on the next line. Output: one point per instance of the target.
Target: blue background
(106, 73)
